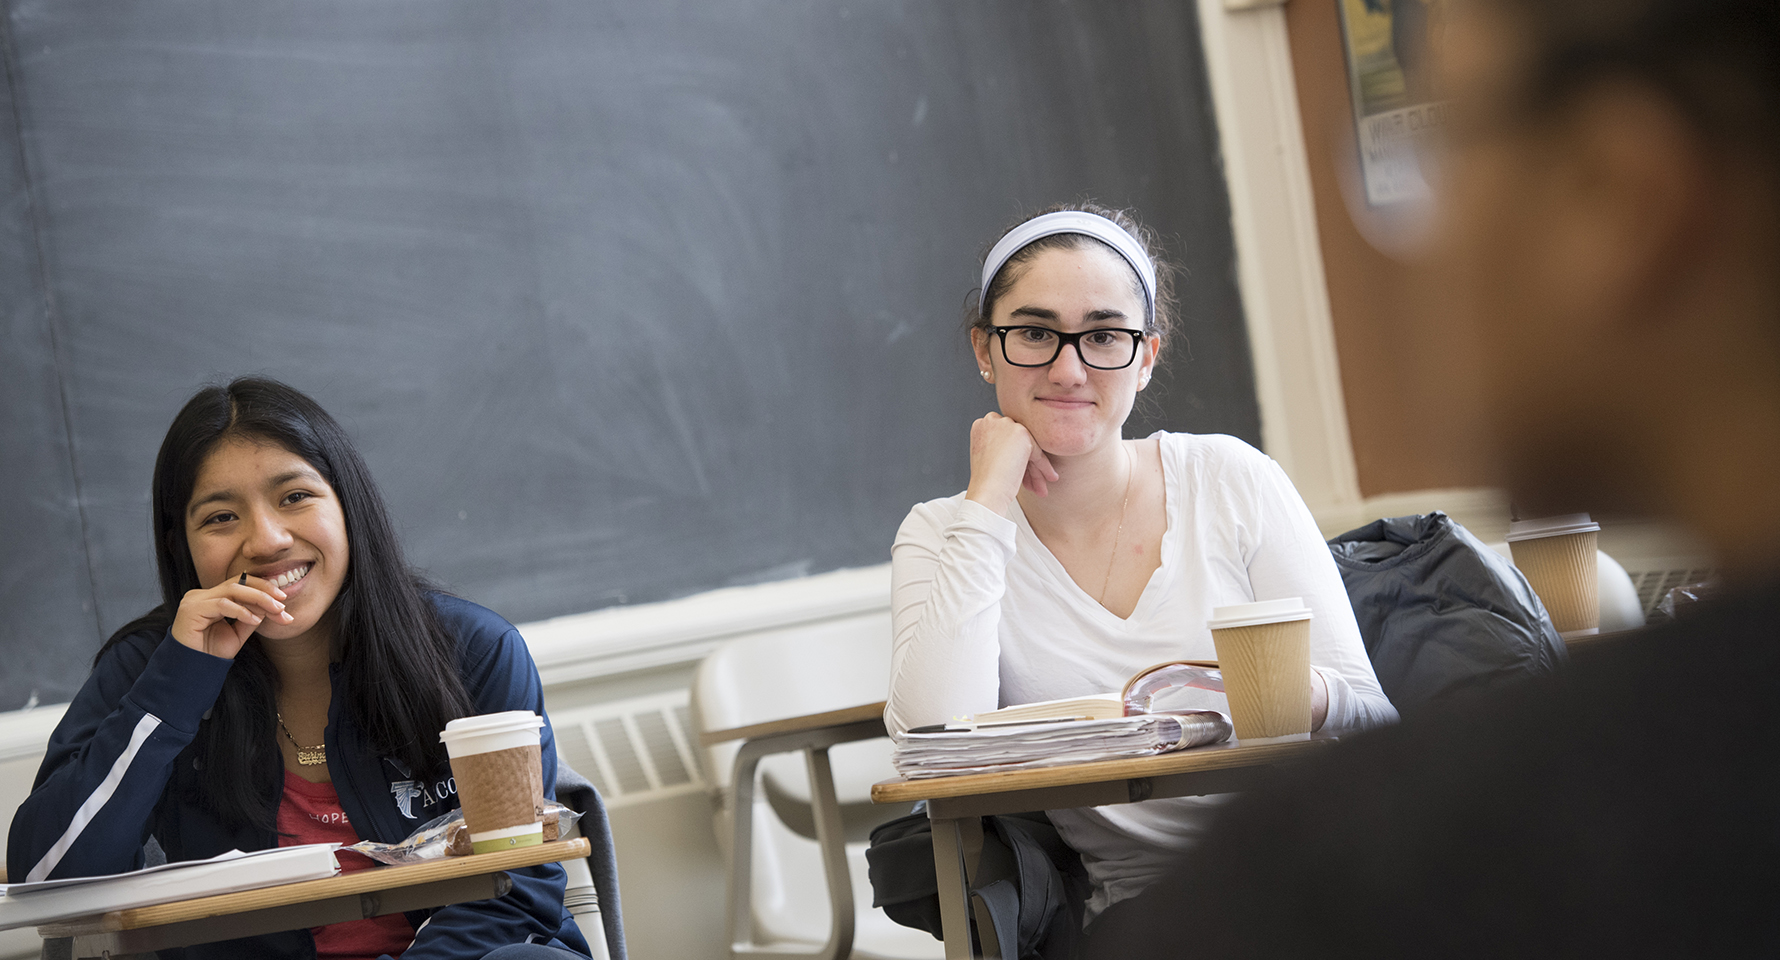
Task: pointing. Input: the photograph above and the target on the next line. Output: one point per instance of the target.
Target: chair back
(812, 668)
(591, 895)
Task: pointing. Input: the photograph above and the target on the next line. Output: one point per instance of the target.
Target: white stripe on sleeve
(90, 808)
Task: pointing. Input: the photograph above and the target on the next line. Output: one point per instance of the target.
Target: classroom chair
(799, 740)
(591, 895)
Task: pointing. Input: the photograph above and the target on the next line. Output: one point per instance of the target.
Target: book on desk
(1170, 706)
(47, 901)
(1176, 685)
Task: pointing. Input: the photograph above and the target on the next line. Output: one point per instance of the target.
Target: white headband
(1074, 221)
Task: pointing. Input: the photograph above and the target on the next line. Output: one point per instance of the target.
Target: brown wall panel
(1402, 365)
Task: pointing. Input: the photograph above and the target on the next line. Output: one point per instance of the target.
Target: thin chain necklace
(307, 756)
(1112, 561)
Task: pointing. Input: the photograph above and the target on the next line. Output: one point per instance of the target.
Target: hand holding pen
(218, 620)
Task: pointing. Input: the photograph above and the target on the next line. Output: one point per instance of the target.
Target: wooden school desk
(956, 805)
(292, 906)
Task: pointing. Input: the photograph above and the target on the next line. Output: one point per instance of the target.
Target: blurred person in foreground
(1611, 188)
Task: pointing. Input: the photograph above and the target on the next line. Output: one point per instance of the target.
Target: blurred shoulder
(1554, 801)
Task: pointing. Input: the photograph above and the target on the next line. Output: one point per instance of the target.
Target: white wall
(1279, 260)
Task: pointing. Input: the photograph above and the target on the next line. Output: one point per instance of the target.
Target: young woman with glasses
(1077, 557)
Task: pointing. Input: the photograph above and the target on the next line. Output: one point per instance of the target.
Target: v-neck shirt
(985, 616)
(1053, 570)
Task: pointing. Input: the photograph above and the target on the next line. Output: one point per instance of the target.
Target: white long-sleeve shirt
(986, 617)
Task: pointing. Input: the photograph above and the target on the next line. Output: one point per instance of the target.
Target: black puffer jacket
(1440, 612)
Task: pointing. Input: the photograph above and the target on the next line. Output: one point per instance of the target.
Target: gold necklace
(307, 756)
(1130, 472)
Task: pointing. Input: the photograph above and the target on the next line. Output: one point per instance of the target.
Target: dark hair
(1160, 319)
(399, 669)
(1719, 60)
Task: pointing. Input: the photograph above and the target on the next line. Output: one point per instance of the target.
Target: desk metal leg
(957, 843)
(833, 844)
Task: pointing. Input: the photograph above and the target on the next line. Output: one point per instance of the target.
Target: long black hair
(398, 665)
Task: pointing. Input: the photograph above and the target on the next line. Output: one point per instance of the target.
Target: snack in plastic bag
(445, 836)
(1676, 602)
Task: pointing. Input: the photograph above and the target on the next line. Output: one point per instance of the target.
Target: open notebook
(1177, 685)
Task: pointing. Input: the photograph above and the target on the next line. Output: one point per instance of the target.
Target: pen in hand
(242, 582)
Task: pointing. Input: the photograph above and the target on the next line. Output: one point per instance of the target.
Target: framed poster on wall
(1387, 45)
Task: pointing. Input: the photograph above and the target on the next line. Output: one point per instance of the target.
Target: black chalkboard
(622, 299)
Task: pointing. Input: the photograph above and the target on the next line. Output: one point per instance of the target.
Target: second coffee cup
(500, 780)
(1557, 555)
(1264, 654)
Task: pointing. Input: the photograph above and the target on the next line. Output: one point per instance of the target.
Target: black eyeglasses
(1103, 348)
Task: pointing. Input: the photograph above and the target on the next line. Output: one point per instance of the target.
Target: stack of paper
(1018, 746)
(24, 904)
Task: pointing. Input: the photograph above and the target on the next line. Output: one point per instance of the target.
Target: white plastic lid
(1255, 614)
(1551, 527)
(508, 721)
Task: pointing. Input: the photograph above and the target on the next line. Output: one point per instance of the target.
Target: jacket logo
(429, 795)
(405, 791)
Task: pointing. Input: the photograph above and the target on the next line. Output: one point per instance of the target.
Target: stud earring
(985, 374)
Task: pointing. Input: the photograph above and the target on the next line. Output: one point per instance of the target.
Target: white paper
(1016, 746)
(25, 889)
(26, 904)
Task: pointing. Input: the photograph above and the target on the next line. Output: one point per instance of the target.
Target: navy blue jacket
(117, 772)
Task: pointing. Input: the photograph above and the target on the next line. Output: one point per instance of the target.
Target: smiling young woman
(289, 689)
(1077, 557)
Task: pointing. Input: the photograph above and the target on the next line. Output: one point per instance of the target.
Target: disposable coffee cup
(1264, 654)
(1557, 555)
(500, 778)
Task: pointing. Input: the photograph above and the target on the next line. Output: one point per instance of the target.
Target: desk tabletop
(346, 884)
(1217, 756)
(814, 721)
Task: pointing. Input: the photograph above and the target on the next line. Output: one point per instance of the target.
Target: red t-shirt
(311, 813)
